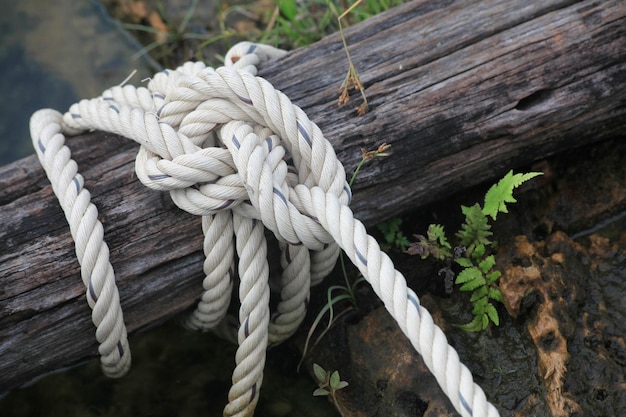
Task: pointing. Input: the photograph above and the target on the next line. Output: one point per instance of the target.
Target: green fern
(471, 278)
(476, 230)
(437, 234)
(435, 245)
(480, 278)
(394, 238)
(478, 274)
(502, 192)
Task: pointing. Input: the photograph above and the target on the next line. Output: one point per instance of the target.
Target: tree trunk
(463, 91)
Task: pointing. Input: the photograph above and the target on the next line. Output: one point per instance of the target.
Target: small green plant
(472, 254)
(296, 23)
(169, 39)
(501, 372)
(287, 24)
(394, 238)
(368, 155)
(329, 383)
(346, 293)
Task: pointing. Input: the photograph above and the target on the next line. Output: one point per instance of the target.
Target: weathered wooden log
(463, 91)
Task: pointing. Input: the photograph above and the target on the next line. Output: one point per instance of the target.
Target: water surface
(51, 55)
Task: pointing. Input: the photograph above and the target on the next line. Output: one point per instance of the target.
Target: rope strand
(88, 234)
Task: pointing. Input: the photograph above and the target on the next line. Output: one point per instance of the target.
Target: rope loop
(231, 148)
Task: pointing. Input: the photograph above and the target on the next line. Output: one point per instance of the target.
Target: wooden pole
(463, 91)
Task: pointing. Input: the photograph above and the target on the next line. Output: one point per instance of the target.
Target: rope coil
(231, 148)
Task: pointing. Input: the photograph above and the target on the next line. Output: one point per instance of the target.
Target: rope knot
(231, 148)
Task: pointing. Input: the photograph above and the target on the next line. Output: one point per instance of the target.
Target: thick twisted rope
(229, 147)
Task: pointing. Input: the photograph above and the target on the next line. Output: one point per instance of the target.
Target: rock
(543, 290)
(385, 379)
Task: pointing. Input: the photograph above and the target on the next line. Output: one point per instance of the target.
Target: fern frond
(492, 313)
(464, 262)
(468, 274)
(486, 264)
(479, 251)
(471, 278)
(479, 306)
(501, 193)
(477, 324)
(479, 293)
(435, 245)
(493, 276)
(476, 229)
(495, 294)
(436, 233)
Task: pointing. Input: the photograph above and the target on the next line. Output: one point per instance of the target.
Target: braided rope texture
(231, 148)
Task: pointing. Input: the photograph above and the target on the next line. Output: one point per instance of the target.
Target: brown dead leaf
(156, 22)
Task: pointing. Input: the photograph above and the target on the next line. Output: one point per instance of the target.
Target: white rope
(91, 250)
(234, 150)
